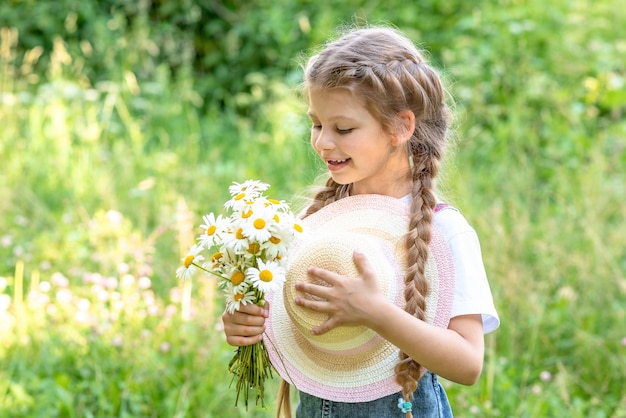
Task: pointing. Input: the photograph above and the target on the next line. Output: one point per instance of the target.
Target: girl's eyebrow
(333, 118)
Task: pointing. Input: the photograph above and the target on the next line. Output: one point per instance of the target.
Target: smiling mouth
(337, 162)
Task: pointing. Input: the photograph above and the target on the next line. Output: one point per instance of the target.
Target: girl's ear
(405, 126)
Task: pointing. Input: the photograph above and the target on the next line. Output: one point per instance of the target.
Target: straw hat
(351, 363)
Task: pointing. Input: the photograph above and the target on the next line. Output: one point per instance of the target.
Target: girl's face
(355, 147)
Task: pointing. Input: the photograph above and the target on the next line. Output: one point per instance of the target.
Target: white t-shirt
(472, 294)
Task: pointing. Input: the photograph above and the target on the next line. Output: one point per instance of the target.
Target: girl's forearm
(443, 351)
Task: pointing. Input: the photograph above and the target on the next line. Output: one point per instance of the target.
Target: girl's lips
(334, 165)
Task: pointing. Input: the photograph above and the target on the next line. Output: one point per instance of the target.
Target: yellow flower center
(297, 227)
(259, 223)
(211, 230)
(239, 234)
(247, 214)
(239, 196)
(237, 278)
(274, 201)
(216, 256)
(274, 240)
(276, 219)
(238, 297)
(188, 261)
(266, 275)
(254, 248)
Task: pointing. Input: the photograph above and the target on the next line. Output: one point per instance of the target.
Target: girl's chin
(343, 180)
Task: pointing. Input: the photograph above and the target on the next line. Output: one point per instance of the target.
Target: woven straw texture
(351, 363)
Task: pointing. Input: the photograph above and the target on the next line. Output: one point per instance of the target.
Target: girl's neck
(397, 189)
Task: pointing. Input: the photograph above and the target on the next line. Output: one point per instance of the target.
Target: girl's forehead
(335, 101)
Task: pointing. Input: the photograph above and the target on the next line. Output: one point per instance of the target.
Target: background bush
(124, 122)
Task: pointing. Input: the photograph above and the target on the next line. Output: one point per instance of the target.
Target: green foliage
(123, 122)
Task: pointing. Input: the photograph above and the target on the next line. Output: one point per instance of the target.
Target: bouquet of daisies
(247, 251)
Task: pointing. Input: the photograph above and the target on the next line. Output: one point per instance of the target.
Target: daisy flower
(235, 297)
(291, 223)
(239, 201)
(276, 246)
(212, 226)
(269, 276)
(257, 221)
(236, 277)
(252, 187)
(187, 269)
(235, 240)
(220, 263)
(277, 205)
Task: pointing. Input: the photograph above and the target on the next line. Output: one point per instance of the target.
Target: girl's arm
(455, 353)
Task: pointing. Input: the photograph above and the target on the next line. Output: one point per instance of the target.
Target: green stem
(210, 271)
(280, 357)
(251, 367)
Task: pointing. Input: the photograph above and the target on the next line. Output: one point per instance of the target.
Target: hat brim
(351, 364)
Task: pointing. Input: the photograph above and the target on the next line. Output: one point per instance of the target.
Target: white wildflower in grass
(269, 276)
(144, 282)
(189, 263)
(246, 251)
(64, 296)
(5, 302)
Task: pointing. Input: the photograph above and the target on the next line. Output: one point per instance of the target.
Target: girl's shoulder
(450, 221)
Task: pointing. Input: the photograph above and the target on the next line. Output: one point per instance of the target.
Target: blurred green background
(122, 123)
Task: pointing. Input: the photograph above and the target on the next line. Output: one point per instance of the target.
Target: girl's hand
(245, 326)
(347, 300)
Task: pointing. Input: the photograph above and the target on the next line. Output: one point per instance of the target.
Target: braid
(417, 241)
(326, 195)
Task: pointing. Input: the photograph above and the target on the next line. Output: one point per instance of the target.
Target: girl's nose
(322, 140)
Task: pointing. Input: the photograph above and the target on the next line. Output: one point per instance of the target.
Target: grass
(103, 184)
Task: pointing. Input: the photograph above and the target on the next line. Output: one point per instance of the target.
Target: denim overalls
(429, 400)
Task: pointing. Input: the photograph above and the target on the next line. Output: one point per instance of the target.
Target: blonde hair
(385, 69)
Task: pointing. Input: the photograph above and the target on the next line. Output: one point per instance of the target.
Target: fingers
(344, 298)
(316, 305)
(319, 291)
(324, 327)
(363, 265)
(326, 275)
(253, 309)
(319, 306)
(246, 326)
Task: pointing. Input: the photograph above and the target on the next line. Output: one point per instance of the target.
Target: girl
(380, 124)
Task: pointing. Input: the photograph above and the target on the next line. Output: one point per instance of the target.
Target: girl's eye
(344, 131)
(316, 127)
